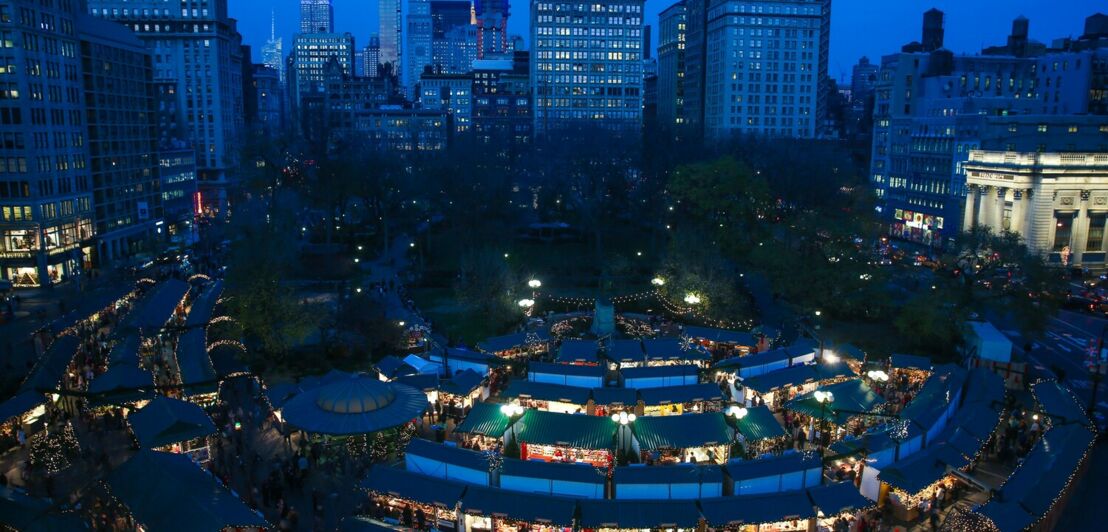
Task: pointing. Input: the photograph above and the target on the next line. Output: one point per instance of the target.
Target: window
(1063, 230)
(1095, 241)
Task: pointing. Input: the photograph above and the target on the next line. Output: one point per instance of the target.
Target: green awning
(681, 432)
(759, 424)
(568, 430)
(849, 398)
(485, 419)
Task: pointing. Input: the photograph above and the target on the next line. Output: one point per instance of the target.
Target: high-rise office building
(390, 24)
(763, 65)
(492, 27)
(451, 94)
(311, 52)
(417, 44)
(671, 65)
(269, 104)
(586, 64)
(371, 57)
(273, 52)
(122, 141)
(209, 106)
(317, 16)
(453, 36)
(45, 182)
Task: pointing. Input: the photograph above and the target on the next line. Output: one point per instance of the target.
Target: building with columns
(1057, 202)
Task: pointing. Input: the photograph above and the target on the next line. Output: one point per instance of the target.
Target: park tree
(486, 284)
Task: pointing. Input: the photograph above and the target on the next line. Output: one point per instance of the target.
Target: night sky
(858, 27)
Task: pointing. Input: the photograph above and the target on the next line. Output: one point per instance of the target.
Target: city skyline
(970, 26)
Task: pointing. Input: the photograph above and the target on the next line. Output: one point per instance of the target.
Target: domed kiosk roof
(353, 404)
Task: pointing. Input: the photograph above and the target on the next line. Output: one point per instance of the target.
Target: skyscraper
(492, 26)
(311, 52)
(671, 65)
(582, 80)
(371, 57)
(389, 29)
(316, 16)
(417, 44)
(763, 65)
(210, 106)
(453, 36)
(273, 52)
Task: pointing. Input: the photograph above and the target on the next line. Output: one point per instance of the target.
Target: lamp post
(822, 398)
(527, 305)
(658, 282)
(878, 376)
(738, 412)
(623, 419)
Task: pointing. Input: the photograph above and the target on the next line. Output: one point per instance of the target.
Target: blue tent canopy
(682, 432)
(849, 399)
(528, 507)
(837, 498)
(117, 385)
(462, 383)
(574, 370)
(640, 514)
(585, 474)
(362, 524)
(507, 342)
(682, 473)
(924, 468)
(193, 361)
(759, 423)
(125, 351)
(166, 491)
(984, 387)
(935, 399)
(686, 393)
(626, 351)
(48, 372)
(200, 313)
(797, 375)
(446, 454)
(777, 465)
(1059, 403)
(900, 361)
(354, 404)
(977, 420)
(414, 486)
(615, 396)
(568, 430)
(671, 349)
(764, 358)
(575, 351)
(21, 511)
(164, 421)
(157, 308)
(22, 403)
(723, 336)
(89, 304)
(757, 509)
(543, 391)
(391, 367)
(659, 371)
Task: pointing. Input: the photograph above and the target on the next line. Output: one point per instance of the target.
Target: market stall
(912, 481)
(777, 387)
(835, 500)
(659, 376)
(511, 511)
(21, 511)
(548, 397)
(1058, 403)
(455, 360)
(678, 481)
(523, 345)
(639, 515)
(779, 512)
(672, 351)
(576, 351)
(461, 391)
(580, 480)
(850, 400)
(608, 400)
(172, 425)
(755, 364)
(625, 353)
(789, 471)
(401, 497)
(567, 374)
(933, 406)
(759, 431)
(676, 400)
(553, 437)
(166, 491)
(699, 438)
(122, 384)
(723, 343)
(446, 462)
(353, 404)
(483, 427)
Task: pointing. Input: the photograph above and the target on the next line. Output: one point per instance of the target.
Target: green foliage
(725, 195)
(694, 264)
(486, 284)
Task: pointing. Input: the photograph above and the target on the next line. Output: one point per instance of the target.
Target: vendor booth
(166, 491)
(1058, 403)
(699, 438)
(511, 511)
(484, 426)
(461, 391)
(659, 376)
(172, 425)
(672, 351)
(679, 481)
(676, 400)
(875, 447)
(909, 481)
(446, 462)
(779, 512)
(400, 497)
(934, 405)
(639, 515)
(567, 374)
(354, 404)
(21, 511)
(455, 360)
(575, 351)
(626, 353)
(548, 397)
(553, 437)
(835, 500)
(789, 471)
(850, 400)
(759, 432)
(581, 480)
(523, 345)
(722, 343)
(608, 400)
(777, 387)
(122, 384)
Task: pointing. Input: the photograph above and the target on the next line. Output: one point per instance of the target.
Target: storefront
(759, 431)
(553, 437)
(490, 509)
(548, 397)
(926, 229)
(723, 343)
(524, 345)
(172, 425)
(696, 438)
(677, 400)
(777, 387)
(628, 515)
(779, 512)
(607, 401)
(412, 500)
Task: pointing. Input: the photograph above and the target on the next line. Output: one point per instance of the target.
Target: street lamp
(878, 375)
(830, 357)
(526, 303)
(658, 281)
(822, 398)
(737, 412)
(623, 418)
(511, 410)
(692, 299)
(534, 283)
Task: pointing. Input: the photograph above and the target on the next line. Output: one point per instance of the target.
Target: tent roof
(362, 523)
(796, 375)
(681, 432)
(156, 308)
(935, 397)
(90, 303)
(759, 423)
(529, 507)
(775, 465)
(638, 514)
(167, 491)
(462, 383)
(1059, 403)
(391, 366)
(834, 499)
(659, 371)
(165, 421)
(413, 486)
(724, 336)
(575, 472)
(575, 350)
(125, 351)
(116, 386)
(203, 306)
(986, 388)
(575, 370)
(512, 341)
(625, 350)
(568, 430)
(670, 349)
(614, 396)
(757, 509)
(685, 393)
(977, 420)
(876, 439)
(849, 398)
(485, 419)
(682, 473)
(48, 371)
(545, 391)
(756, 359)
(21, 511)
(922, 469)
(22, 403)
(447, 454)
(901, 361)
(192, 358)
(354, 404)
(1046, 470)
